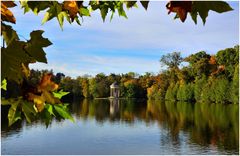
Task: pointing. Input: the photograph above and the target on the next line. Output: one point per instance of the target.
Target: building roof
(114, 85)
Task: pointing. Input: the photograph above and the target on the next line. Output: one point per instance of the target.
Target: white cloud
(133, 44)
(95, 64)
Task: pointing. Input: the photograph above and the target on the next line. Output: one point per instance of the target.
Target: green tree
(171, 93)
(171, 60)
(185, 92)
(229, 58)
(199, 63)
(198, 88)
(234, 91)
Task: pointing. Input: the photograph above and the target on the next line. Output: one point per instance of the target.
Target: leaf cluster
(76, 10)
(18, 54)
(20, 108)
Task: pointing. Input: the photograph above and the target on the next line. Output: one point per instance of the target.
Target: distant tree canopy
(172, 60)
(205, 79)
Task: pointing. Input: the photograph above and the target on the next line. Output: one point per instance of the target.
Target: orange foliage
(47, 84)
(212, 60)
(7, 15)
(220, 69)
(44, 88)
(71, 7)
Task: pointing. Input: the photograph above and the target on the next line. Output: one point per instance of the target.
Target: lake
(129, 127)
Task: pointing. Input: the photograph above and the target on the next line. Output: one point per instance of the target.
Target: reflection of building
(114, 90)
(114, 106)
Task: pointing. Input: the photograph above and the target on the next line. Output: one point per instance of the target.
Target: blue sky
(134, 44)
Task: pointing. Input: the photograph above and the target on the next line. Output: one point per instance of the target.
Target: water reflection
(114, 107)
(208, 125)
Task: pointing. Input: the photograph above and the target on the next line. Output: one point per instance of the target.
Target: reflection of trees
(206, 124)
(214, 124)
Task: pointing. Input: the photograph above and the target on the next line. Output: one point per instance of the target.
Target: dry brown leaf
(71, 7)
(9, 4)
(47, 84)
(6, 14)
(180, 7)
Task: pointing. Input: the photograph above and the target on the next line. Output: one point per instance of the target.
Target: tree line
(198, 77)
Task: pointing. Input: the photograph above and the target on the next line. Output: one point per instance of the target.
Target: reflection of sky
(89, 137)
(133, 44)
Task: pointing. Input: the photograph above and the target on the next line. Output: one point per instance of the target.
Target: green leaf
(46, 17)
(8, 33)
(112, 15)
(121, 11)
(60, 18)
(13, 114)
(28, 111)
(194, 16)
(144, 4)
(12, 58)
(104, 11)
(51, 13)
(47, 117)
(25, 6)
(4, 84)
(203, 7)
(62, 112)
(84, 11)
(49, 109)
(55, 10)
(67, 17)
(60, 15)
(35, 46)
(35, 6)
(9, 101)
(60, 94)
(77, 20)
(131, 4)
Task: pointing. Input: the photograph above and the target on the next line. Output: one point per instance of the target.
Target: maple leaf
(202, 8)
(6, 14)
(12, 58)
(35, 46)
(180, 7)
(72, 8)
(144, 4)
(44, 95)
(47, 84)
(8, 33)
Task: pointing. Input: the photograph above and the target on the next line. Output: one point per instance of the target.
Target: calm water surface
(129, 127)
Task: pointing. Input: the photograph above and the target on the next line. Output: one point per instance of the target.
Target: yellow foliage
(45, 88)
(131, 81)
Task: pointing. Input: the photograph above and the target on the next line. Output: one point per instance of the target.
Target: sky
(123, 45)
